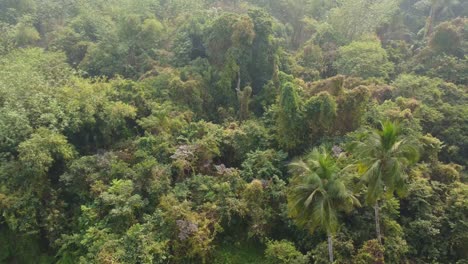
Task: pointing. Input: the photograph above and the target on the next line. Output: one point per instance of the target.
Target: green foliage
(364, 59)
(120, 202)
(444, 57)
(127, 50)
(456, 220)
(384, 156)
(241, 253)
(14, 129)
(320, 114)
(447, 38)
(371, 252)
(26, 34)
(21, 248)
(436, 113)
(43, 148)
(354, 19)
(351, 109)
(420, 87)
(289, 117)
(7, 42)
(318, 192)
(244, 101)
(283, 252)
(159, 131)
(262, 198)
(343, 250)
(239, 140)
(263, 165)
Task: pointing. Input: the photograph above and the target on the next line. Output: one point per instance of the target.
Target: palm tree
(317, 192)
(438, 8)
(384, 156)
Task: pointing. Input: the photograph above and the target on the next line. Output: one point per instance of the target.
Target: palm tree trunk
(238, 81)
(377, 222)
(430, 21)
(330, 247)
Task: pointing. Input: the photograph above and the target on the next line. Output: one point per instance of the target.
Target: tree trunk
(330, 247)
(377, 222)
(238, 81)
(430, 21)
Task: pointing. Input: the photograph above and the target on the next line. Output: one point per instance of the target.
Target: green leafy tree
(444, 56)
(447, 38)
(438, 8)
(284, 252)
(128, 49)
(457, 208)
(159, 131)
(384, 156)
(289, 117)
(244, 101)
(320, 115)
(364, 59)
(352, 106)
(263, 164)
(26, 33)
(371, 252)
(318, 191)
(43, 148)
(7, 41)
(355, 18)
(11, 11)
(241, 139)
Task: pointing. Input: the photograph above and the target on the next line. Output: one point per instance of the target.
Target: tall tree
(356, 18)
(384, 155)
(318, 192)
(438, 8)
(289, 119)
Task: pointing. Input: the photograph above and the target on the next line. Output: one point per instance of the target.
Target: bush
(284, 252)
(370, 252)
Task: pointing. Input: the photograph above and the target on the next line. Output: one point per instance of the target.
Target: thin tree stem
(330, 247)
(430, 21)
(377, 222)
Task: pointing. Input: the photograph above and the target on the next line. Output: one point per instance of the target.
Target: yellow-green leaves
(43, 148)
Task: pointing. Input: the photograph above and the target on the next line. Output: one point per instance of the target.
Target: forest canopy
(233, 131)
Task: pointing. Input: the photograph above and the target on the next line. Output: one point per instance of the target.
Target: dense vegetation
(235, 131)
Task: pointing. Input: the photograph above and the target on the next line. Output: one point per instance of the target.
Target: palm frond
(383, 158)
(318, 191)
